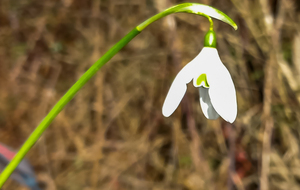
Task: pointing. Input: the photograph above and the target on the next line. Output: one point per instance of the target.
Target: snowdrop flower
(210, 76)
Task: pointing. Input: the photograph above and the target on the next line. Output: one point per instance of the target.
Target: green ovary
(202, 78)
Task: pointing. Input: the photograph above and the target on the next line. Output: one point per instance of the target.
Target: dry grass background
(113, 135)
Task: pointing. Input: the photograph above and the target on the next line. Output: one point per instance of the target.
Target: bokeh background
(112, 135)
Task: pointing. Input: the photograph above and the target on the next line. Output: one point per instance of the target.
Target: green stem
(193, 8)
(61, 104)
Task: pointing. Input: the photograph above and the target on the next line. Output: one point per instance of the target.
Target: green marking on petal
(202, 78)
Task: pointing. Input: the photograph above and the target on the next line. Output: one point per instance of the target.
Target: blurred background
(112, 135)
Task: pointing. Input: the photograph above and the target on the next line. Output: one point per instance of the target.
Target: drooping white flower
(216, 88)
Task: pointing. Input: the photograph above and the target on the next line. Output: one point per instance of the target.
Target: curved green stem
(35, 135)
(193, 8)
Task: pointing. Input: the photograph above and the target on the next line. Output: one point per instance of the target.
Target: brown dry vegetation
(112, 135)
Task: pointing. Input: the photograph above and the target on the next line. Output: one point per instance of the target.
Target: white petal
(178, 88)
(174, 97)
(203, 63)
(206, 106)
(221, 88)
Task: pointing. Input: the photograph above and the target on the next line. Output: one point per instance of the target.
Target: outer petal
(206, 105)
(178, 87)
(222, 91)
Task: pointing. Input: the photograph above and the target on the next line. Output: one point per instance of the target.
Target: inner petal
(206, 106)
(201, 81)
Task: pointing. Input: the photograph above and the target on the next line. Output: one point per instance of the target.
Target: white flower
(216, 88)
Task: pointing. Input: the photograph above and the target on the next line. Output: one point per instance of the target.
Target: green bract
(193, 8)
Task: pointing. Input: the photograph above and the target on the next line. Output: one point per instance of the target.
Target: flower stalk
(193, 8)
